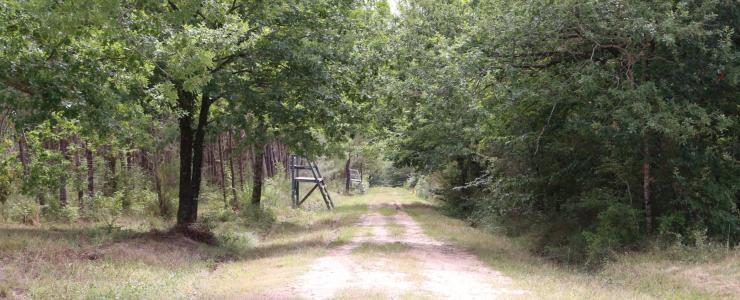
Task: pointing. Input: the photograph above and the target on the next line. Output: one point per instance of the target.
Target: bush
(212, 219)
(69, 214)
(105, 209)
(55, 212)
(669, 229)
(423, 186)
(258, 217)
(617, 228)
(142, 202)
(237, 243)
(23, 209)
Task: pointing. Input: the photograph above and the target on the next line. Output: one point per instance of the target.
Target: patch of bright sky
(394, 7)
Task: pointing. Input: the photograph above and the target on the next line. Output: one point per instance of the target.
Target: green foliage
(7, 172)
(168, 174)
(617, 228)
(142, 202)
(543, 117)
(22, 209)
(423, 186)
(69, 214)
(275, 193)
(238, 243)
(594, 125)
(258, 217)
(106, 209)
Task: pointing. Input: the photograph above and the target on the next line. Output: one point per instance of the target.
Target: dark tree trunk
(63, 179)
(90, 172)
(258, 177)
(191, 156)
(186, 210)
(22, 152)
(223, 172)
(129, 161)
(78, 172)
(235, 202)
(259, 158)
(199, 145)
(646, 188)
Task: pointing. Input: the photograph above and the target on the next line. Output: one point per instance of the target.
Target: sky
(394, 6)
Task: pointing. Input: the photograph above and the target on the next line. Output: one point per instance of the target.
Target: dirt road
(404, 263)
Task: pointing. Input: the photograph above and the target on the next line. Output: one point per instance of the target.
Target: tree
(575, 116)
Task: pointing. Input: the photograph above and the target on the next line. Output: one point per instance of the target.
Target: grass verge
(632, 276)
(86, 260)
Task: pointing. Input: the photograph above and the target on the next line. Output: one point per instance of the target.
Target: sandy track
(441, 271)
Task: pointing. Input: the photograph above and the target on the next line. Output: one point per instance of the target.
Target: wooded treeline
(118, 102)
(592, 126)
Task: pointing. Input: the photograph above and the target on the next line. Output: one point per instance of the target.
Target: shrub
(617, 228)
(258, 217)
(105, 209)
(142, 202)
(69, 214)
(23, 209)
(670, 227)
(237, 243)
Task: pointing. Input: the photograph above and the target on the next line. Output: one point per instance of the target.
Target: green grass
(84, 260)
(395, 230)
(385, 249)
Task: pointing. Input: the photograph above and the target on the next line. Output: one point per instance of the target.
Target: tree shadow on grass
(95, 242)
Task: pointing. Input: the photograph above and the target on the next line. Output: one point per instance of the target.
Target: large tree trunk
(259, 158)
(191, 156)
(258, 177)
(186, 210)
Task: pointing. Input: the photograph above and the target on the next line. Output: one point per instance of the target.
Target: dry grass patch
(633, 276)
(395, 248)
(88, 261)
(395, 230)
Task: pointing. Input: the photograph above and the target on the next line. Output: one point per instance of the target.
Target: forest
(146, 149)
